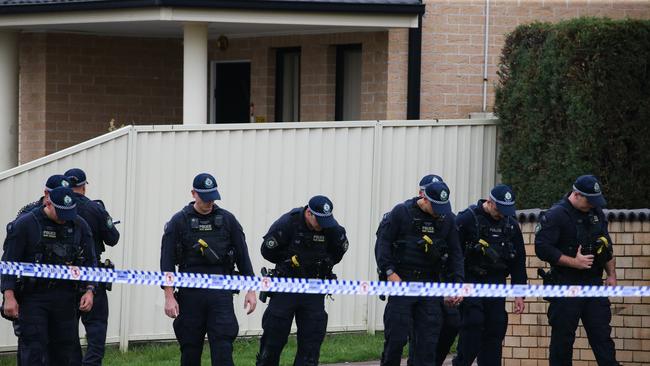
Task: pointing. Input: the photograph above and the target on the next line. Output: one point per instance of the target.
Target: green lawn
(336, 348)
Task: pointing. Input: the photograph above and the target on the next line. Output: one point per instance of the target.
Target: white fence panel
(144, 174)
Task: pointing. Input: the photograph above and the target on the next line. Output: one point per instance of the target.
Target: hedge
(574, 98)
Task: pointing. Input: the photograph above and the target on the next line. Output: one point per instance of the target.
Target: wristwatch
(90, 288)
(389, 272)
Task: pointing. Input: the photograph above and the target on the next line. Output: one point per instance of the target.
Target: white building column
(195, 73)
(8, 100)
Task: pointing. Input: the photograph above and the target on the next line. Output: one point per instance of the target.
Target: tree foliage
(574, 98)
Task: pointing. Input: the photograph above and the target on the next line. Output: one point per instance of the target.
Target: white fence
(144, 175)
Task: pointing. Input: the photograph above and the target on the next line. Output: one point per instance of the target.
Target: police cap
(206, 186)
(589, 186)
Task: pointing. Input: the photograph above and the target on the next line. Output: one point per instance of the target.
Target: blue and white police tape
(312, 286)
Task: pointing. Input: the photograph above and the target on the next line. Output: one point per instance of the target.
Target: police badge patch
(444, 195)
(271, 243)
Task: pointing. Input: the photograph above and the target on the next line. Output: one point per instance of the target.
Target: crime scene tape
(311, 286)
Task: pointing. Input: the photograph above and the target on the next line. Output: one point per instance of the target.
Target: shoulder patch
(271, 243)
(538, 227)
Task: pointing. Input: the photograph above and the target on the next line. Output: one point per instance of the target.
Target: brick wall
(453, 37)
(31, 97)
(72, 86)
(318, 72)
(527, 339)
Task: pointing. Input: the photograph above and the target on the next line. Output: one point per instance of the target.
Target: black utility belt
(31, 284)
(414, 274)
(206, 269)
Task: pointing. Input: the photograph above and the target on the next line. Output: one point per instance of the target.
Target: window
(348, 83)
(287, 85)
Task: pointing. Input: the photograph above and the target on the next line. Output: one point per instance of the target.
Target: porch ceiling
(174, 29)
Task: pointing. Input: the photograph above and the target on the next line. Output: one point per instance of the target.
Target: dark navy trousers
(448, 333)
(419, 317)
(96, 323)
(484, 322)
(596, 314)
(205, 311)
(47, 326)
(311, 320)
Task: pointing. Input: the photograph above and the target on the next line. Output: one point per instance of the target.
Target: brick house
(70, 69)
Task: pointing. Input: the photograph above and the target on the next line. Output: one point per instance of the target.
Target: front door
(232, 92)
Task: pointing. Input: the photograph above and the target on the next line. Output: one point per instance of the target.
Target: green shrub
(574, 98)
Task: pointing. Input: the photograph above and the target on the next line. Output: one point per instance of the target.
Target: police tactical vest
(211, 230)
(588, 229)
(413, 253)
(310, 247)
(58, 243)
(499, 252)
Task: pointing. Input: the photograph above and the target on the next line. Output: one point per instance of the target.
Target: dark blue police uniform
(300, 252)
(52, 182)
(204, 310)
(450, 315)
(47, 324)
(493, 250)
(412, 244)
(560, 231)
(96, 320)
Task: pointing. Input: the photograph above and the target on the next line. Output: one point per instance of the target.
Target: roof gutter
(315, 6)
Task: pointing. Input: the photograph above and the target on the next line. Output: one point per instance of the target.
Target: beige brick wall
(31, 111)
(72, 86)
(318, 72)
(453, 37)
(527, 338)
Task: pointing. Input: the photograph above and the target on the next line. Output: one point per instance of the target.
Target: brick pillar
(31, 113)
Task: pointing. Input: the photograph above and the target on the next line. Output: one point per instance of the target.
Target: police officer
(104, 233)
(52, 182)
(205, 238)
(572, 237)
(494, 248)
(450, 315)
(410, 248)
(45, 309)
(306, 242)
